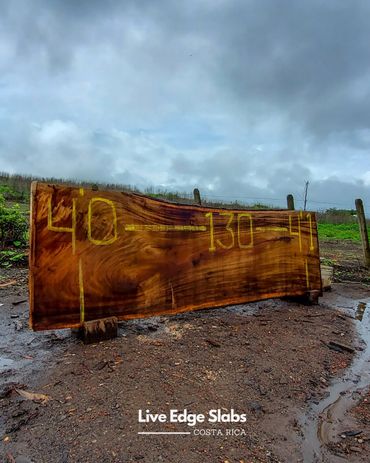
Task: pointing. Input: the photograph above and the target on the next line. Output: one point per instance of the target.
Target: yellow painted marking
(73, 226)
(240, 216)
(81, 191)
(82, 294)
(212, 246)
(115, 235)
(229, 229)
(298, 233)
(273, 229)
(307, 276)
(72, 229)
(163, 228)
(311, 234)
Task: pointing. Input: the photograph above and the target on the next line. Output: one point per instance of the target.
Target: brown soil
(346, 258)
(267, 365)
(355, 441)
(269, 360)
(362, 410)
(361, 414)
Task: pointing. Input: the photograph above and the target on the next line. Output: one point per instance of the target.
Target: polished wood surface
(98, 254)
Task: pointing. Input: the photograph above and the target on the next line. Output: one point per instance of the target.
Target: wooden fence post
(363, 231)
(197, 196)
(290, 202)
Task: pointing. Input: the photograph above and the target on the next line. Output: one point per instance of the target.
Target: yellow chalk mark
(82, 294)
(249, 216)
(307, 275)
(163, 228)
(212, 246)
(311, 233)
(229, 229)
(272, 229)
(89, 235)
(72, 229)
(298, 233)
(73, 226)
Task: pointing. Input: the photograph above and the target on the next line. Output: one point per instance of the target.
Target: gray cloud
(245, 98)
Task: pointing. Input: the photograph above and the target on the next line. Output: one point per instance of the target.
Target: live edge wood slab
(98, 254)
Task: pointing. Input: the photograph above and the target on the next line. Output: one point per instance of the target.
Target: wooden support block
(98, 330)
(310, 298)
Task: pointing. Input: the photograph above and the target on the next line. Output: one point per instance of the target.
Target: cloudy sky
(244, 99)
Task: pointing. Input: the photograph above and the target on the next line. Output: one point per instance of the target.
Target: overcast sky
(243, 99)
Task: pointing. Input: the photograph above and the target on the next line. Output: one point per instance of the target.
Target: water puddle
(5, 363)
(321, 424)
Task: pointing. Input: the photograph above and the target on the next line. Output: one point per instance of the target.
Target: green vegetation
(17, 187)
(13, 225)
(340, 231)
(12, 257)
(13, 234)
(337, 216)
(339, 224)
(12, 195)
(327, 261)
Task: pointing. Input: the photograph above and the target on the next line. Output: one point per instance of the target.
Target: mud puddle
(24, 353)
(326, 419)
(5, 363)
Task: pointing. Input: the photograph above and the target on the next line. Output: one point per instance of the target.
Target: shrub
(12, 257)
(11, 194)
(13, 225)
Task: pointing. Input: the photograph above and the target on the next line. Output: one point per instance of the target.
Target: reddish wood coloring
(98, 254)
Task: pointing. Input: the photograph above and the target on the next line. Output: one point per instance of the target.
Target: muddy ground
(346, 258)
(271, 360)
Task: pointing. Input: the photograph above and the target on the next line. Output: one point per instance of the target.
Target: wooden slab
(100, 254)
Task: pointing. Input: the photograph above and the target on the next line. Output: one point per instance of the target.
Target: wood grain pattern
(99, 254)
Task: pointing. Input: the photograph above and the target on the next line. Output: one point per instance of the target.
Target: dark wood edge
(170, 203)
(189, 308)
(32, 252)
